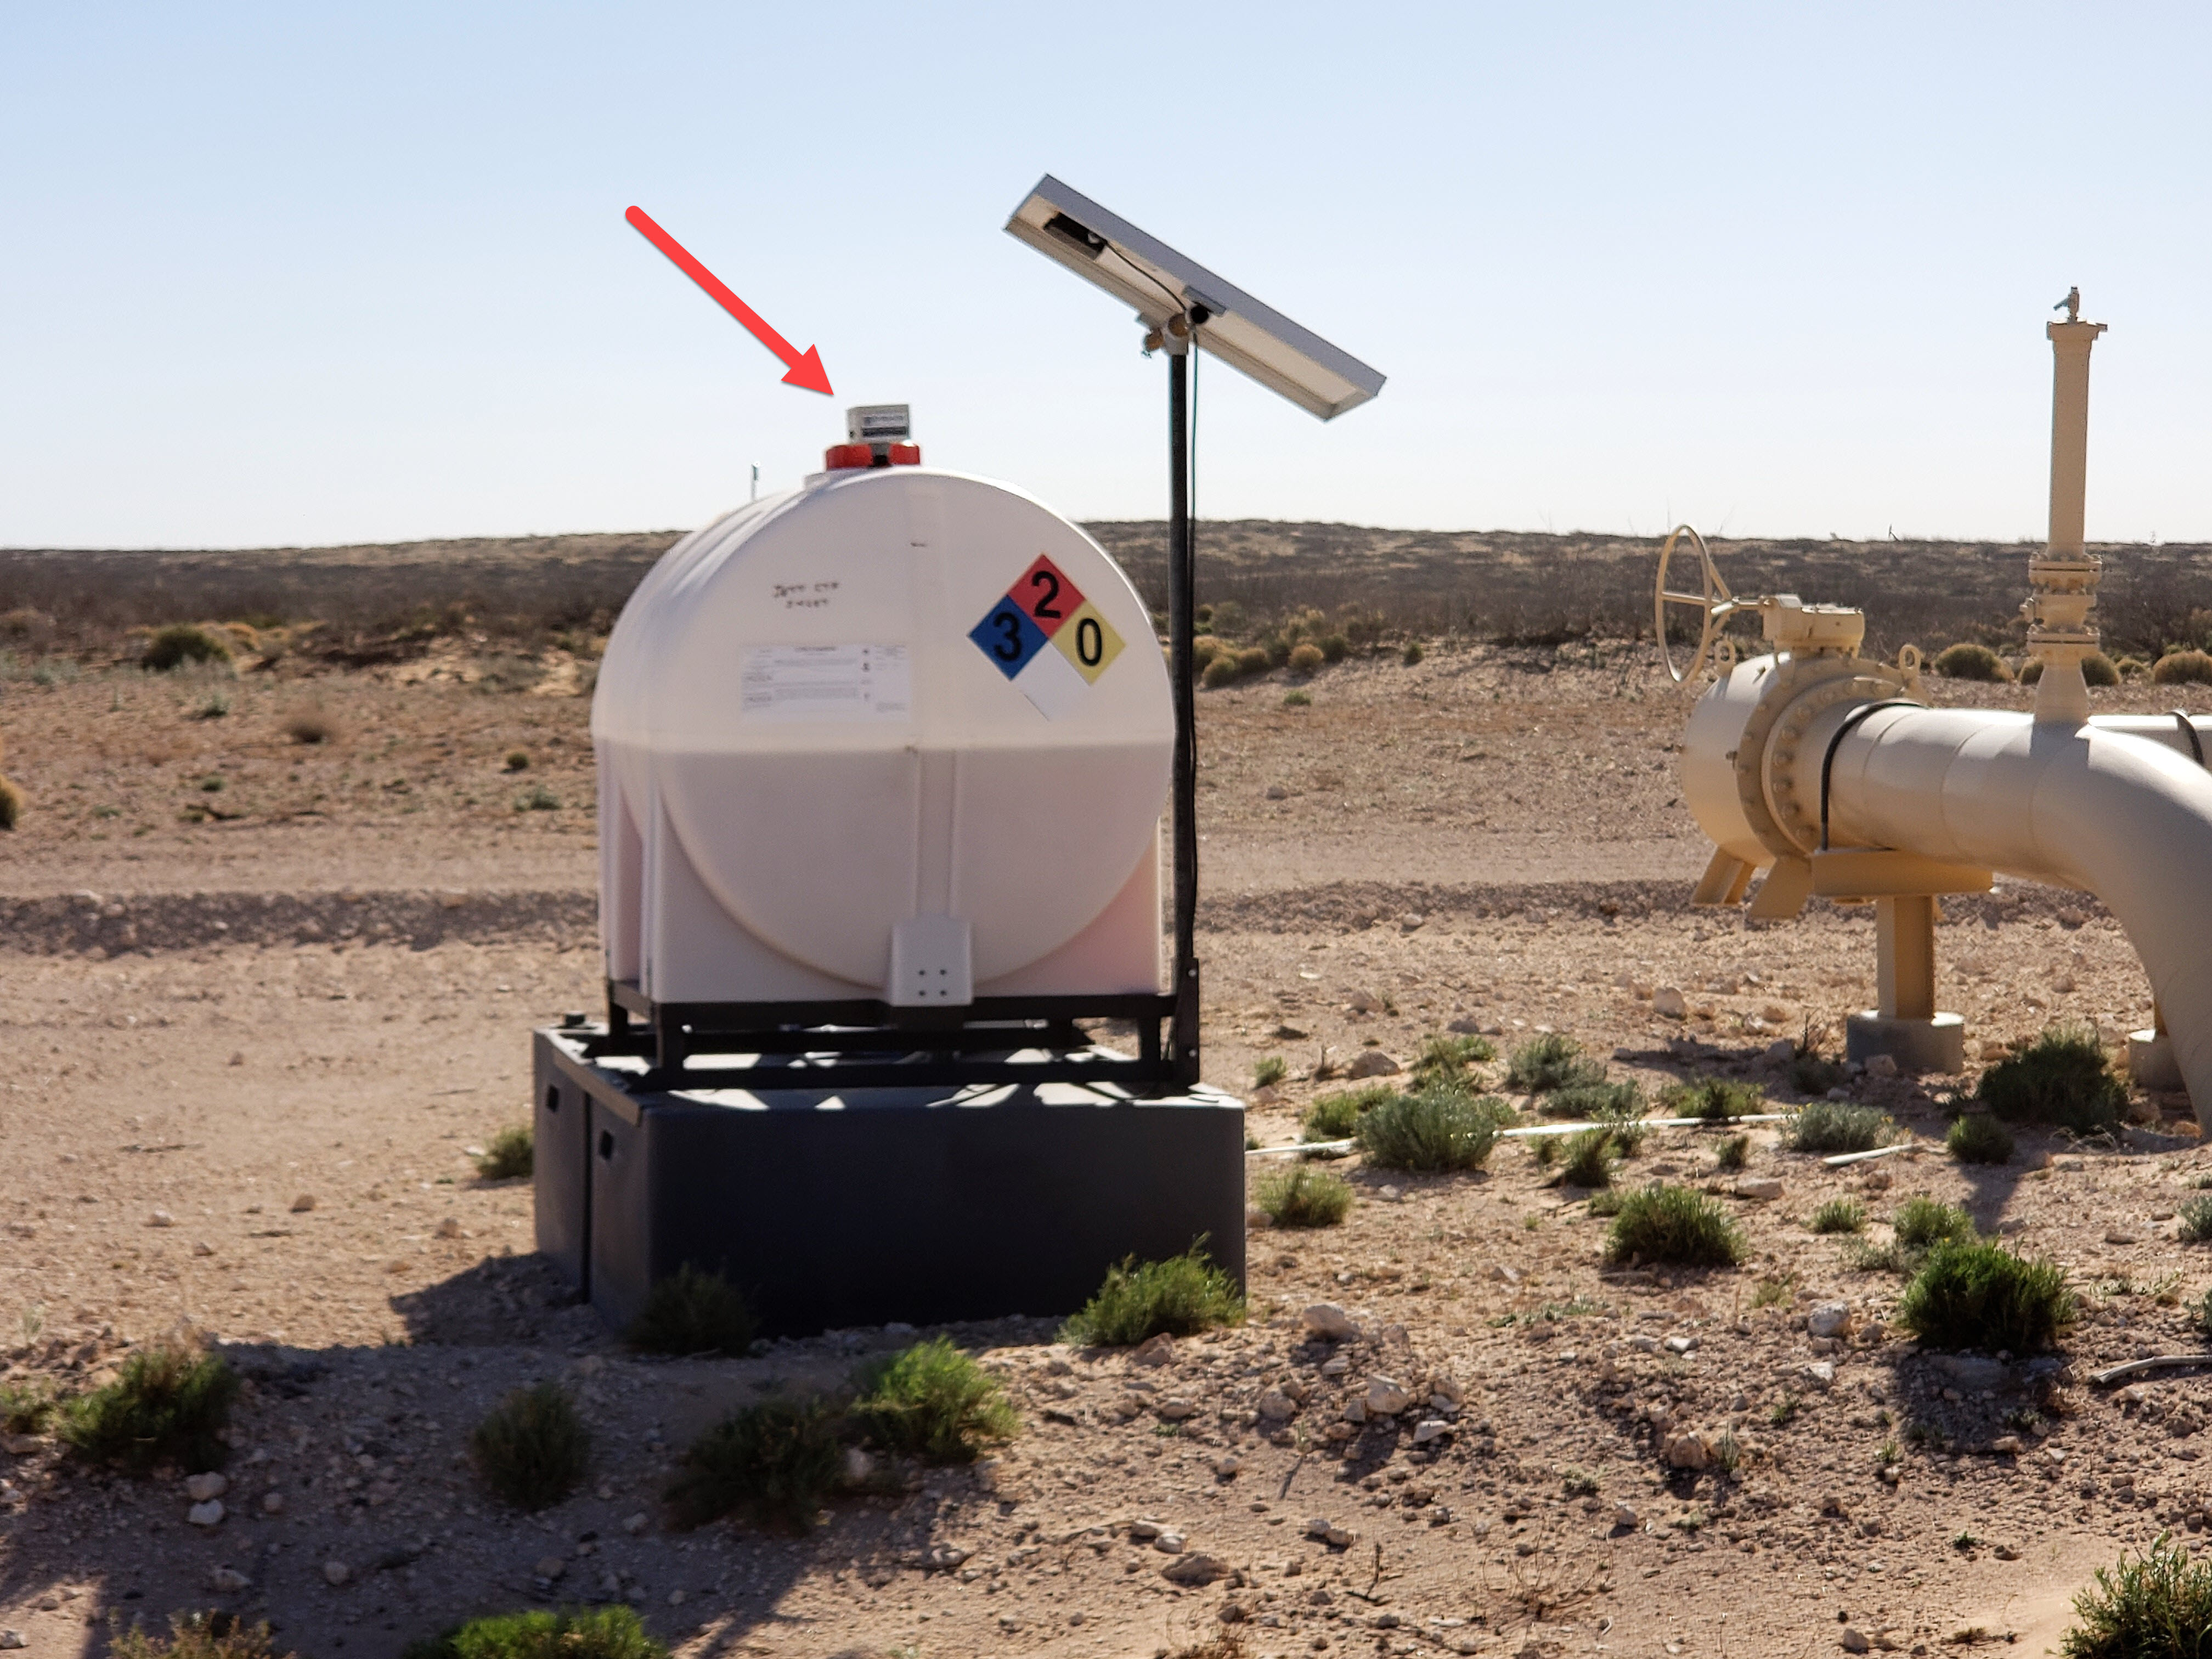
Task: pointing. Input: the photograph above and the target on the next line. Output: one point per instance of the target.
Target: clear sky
(308, 273)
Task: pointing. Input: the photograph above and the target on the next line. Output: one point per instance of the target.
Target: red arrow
(806, 371)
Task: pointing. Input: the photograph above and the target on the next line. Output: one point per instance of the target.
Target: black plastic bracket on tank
(866, 1043)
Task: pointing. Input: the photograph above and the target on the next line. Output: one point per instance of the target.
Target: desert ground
(260, 996)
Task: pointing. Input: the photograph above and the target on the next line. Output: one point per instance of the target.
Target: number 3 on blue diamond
(1008, 637)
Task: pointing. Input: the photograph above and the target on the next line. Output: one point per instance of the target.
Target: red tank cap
(839, 458)
(906, 454)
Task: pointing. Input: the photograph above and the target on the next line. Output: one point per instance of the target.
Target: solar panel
(1159, 283)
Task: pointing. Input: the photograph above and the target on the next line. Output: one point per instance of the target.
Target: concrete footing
(1917, 1045)
(2151, 1061)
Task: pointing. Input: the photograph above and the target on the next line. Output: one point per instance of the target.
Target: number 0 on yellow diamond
(1087, 641)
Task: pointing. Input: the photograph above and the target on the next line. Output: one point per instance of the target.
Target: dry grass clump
(200, 1636)
(1588, 1159)
(510, 1156)
(2196, 1215)
(934, 1402)
(25, 1408)
(1182, 1296)
(1303, 1196)
(1450, 1058)
(12, 804)
(1811, 1073)
(2157, 1605)
(1922, 1223)
(2183, 667)
(1549, 1062)
(1434, 1130)
(1715, 1099)
(693, 1311)
(777, 1463)
(2061, 1077)
(1982, 1296)
(1674, 1227)
(310, 725)
(608, 1632)
(1333, 1117)
(168, 1405)
(1306, 657)
(538, 798)
(1732, 1153)
(1267, 1072)
(1836, 1125)
(533, 1448)
(1594, 1100)
(1977, 1138)
(1966, 661)
(172, 647)
(1838, 1215)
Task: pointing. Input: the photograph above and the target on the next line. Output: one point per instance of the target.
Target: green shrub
(1412, 654)
(1839, 1215)
(1588, 1159)
(518, 760)
(168, 1405)
(2061, 1077)
(777, 1463)
(199, 1636)
(1594, 1100)
(1836, 1125)
(1446, 1059)
(1813, 1074)
(1333, 1117)
(1220, 671)
(1717, 1100)
(533, 1448)
(2131, 668)
(608, 1632)
(1267, 1072)
(1732, 1153)
(1606, 1202)
(25, 1408)
(1335, 647)
(180, 643)
(1182, 1296)
(1982, 1296)
(510, 1156)
(1253, 659)
(1675, 1226)
(693, 1311)
(2182, 667)
(2156, 1605)
(1922, 1224)
(1297, 699)
(1977, 1138)
(934, 1402)
(1303, 1196)
(1549, 1062)
(1971, 662)
(1304, 659)
(2196, 1220)
(538, 798)
(1433, 1130)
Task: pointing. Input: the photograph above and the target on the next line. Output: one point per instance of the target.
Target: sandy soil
(328, 997)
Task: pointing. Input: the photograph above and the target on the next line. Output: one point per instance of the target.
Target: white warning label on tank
(827, 682)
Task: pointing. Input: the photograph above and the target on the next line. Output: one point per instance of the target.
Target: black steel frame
(866, 1043)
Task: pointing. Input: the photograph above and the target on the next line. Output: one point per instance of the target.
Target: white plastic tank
(898, 733)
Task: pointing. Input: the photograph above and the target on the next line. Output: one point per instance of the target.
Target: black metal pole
(1181, 591)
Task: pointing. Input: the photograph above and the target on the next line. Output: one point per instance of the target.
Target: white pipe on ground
(2125, 815)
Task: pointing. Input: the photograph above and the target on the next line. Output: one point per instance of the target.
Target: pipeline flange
(1802, 689)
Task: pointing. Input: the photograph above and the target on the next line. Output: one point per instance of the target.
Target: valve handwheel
(1714, 604)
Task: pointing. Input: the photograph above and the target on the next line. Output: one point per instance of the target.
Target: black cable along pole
(1181, 609)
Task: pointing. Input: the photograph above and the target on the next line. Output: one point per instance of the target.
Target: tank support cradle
(870, 1044)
